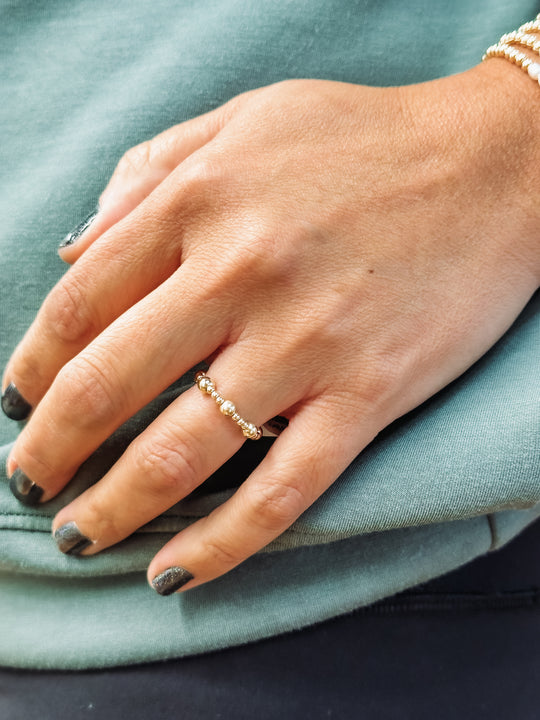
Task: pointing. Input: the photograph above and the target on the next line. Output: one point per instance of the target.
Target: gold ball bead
(227, 408)
(250, 430)
(207, 385)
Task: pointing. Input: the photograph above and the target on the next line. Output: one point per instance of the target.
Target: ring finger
(189, 441)
(300, 466)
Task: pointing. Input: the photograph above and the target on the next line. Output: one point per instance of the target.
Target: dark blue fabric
(466, 645)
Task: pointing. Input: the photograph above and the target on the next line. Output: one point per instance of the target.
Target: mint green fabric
(458, 477)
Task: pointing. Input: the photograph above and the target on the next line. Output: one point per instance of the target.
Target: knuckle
(136, 159)
(369, 391)
(199, 183)
(259, 260)
(88, 392)
(269, 251)
(265, 252)
(379, 382)
(103, 519)
(170, 467)
(203, 176)
(32, 459)
(220, 553)
(28, 370)
(276, 505)
(67, 314)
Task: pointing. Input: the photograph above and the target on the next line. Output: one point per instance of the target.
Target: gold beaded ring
(207, 386)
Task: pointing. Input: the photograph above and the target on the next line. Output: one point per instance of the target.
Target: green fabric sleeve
(458, 477)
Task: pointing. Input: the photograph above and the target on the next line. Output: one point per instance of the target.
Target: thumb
(141, 169)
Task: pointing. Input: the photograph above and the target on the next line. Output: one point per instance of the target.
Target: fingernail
(171, 580)
(24, 489)
(14, 405)
(74, 235)
(70, 539)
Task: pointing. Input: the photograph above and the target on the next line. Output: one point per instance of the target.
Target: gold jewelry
(522, 37)
(207, 385)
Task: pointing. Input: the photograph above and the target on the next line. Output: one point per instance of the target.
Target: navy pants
(465, 646)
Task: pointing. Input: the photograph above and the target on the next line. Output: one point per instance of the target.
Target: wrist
(481, 131)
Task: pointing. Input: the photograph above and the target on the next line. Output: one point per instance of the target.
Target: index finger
(127, 366)
(113, 275)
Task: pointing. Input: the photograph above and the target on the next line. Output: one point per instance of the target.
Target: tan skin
(340, 252)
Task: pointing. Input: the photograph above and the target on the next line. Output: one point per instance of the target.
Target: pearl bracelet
(520, 38)
(532, 26)
(505, 48)
(515, 56)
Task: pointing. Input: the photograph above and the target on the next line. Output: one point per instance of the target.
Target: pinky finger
(302, 464)
(141, 169)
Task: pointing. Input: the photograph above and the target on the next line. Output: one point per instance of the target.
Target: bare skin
(340, 252)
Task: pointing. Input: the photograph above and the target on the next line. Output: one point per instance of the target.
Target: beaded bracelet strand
(520, 38)
(505, 48)
(515, 56)
(532, 26)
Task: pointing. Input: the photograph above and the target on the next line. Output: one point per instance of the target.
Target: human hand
(340, 253)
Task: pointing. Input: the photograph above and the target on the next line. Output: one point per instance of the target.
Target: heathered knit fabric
(82, 82)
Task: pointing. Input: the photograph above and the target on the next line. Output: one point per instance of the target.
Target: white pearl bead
(227, 408)
(534, 70)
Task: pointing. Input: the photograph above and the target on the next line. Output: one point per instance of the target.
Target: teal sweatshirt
(81, 82)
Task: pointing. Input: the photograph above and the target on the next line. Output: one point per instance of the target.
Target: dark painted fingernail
(24, 489)
(70, 539)
(171, 580)
(74, 235)
(14, 405)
